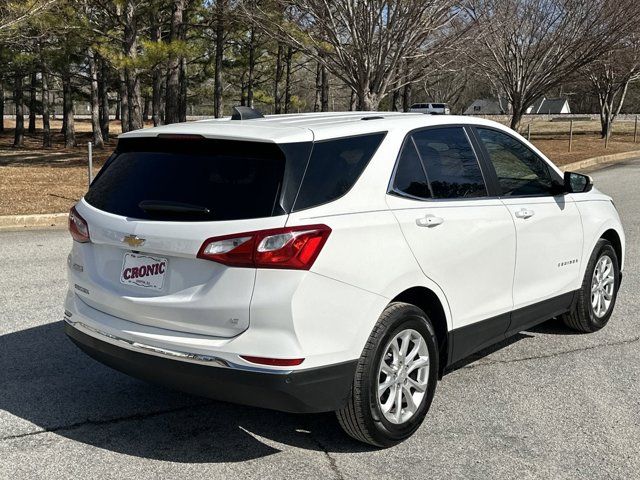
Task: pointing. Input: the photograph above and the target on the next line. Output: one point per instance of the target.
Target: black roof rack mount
(245, 113)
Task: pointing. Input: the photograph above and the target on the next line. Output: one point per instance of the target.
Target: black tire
(582, 317)
(362, 417)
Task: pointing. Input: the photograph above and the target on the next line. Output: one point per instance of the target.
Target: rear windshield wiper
(169, 206)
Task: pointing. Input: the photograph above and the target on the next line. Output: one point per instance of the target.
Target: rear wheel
(395, 379)
(597, 296)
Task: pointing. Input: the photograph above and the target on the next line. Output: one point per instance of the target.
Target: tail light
(290, 247)
(78, 227)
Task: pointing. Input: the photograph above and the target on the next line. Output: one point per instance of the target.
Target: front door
(463, 240)
(548, 227)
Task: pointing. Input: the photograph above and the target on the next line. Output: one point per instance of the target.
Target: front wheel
(395, 378)
(597, 296)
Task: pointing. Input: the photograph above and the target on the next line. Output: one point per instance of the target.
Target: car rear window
(438, 105)
(199, 179)
(334, 167)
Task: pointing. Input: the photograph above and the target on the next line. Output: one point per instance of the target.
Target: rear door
(463, 239)
(548, 226)
(151, 208)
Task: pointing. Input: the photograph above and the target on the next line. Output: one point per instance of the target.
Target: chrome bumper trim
(173, 354)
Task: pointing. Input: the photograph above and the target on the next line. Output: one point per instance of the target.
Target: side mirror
(577, 183)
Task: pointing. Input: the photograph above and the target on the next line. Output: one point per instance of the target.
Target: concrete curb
(11, 222)
(590, 162)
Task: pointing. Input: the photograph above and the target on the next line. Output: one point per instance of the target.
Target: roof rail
(374, 117)
(245, 113)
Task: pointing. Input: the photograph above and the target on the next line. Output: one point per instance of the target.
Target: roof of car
(300, 127)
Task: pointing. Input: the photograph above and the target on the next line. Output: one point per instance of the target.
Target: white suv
(331, 262)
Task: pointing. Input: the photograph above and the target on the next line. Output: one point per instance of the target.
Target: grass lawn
(35, 180)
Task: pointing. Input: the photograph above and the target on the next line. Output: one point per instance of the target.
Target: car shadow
(554, 327)
(50, 384)
(550, 327)
(485, 352)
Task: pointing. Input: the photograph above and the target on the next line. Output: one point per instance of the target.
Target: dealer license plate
(144, 271)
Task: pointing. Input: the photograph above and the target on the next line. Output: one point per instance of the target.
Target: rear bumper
(312, 390)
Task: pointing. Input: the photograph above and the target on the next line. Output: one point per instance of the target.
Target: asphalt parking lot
(546, 404)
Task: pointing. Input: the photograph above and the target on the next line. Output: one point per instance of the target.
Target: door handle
(429, 221)
(525, 213)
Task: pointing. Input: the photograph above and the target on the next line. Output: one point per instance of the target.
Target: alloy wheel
(403, 376)
(602, 286)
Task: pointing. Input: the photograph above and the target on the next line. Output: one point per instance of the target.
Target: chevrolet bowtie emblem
(133, 240)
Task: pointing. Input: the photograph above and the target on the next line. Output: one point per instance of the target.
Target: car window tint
(410, 177)
(520, 171)
(451, 164)
(334, 167)
(231, 180)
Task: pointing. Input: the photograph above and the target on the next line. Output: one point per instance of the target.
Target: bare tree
(447, 85)
(611, 76)
(362, 43)
(531, 46)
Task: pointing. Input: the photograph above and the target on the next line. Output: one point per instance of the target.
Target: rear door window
(195, 180)
(334, 167)
(450, 163)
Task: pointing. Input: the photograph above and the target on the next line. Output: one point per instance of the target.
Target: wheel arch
(614, 237)
(429, 302)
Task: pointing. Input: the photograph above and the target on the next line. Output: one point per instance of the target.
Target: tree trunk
(395, 97)
(118, 104)
(612, 108)
(124, 104)
(32, 103)
(18, 100)
(368, 101)
(217, 93)
(156, 78)
(172, 107)
(605, 126)
(517, 111)
(1, 107)
(146, 109)
(46, 126)
(406, 97)
(318, 98)
(353, 98)
(324, 97)
(69, 126)
(252, 65)
(64, 117)
(98, 141)
(287, 80)
(132, 76)
(103, 88)
(243, 92)
(182, 111)
(277, 97)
